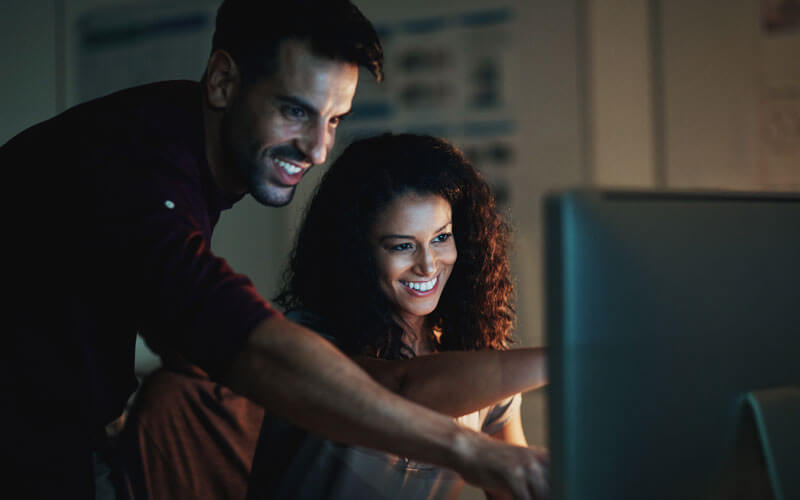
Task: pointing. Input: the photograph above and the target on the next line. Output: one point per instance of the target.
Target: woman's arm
(296, 374)
(457, 383)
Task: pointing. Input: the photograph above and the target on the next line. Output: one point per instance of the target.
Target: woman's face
(415, 252)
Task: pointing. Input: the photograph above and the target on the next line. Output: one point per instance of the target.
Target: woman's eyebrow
(443, 227)
(408, 237)
(395, 237)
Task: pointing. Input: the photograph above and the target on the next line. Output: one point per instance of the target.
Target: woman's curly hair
(332, 271)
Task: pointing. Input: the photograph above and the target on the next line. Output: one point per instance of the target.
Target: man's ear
(222, 79)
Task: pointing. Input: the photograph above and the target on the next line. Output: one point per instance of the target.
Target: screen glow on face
(415, 253)
(286, 123)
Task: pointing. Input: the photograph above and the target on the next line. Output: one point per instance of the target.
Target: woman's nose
(426, 262)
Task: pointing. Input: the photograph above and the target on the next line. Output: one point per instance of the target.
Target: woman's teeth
(420, 286)
(288, 167)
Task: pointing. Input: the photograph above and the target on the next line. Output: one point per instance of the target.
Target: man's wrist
(464, 449)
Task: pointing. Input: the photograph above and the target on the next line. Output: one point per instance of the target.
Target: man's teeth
(420, 286)
(291, 169)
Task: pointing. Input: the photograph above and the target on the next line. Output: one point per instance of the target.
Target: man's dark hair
(251, 32)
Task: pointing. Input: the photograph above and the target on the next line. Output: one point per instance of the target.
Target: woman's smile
(422, 287)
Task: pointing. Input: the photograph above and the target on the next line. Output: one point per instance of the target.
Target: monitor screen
(663, 311)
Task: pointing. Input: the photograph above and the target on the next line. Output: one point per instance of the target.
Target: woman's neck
(417, 335)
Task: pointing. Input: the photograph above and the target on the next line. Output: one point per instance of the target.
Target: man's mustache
(289, 152)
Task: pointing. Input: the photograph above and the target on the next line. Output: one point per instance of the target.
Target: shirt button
(169, 204)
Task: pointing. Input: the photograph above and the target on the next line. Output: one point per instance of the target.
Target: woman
(401, 256)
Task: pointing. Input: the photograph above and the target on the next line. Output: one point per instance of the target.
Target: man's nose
(316, 142)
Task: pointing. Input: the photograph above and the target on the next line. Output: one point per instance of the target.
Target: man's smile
(289, 167)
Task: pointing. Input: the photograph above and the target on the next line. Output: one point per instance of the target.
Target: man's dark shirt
(111, 206)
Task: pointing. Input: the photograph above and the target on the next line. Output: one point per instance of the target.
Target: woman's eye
(400, 247)
(442, 237)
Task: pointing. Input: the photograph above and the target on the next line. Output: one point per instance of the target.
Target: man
(114, 203)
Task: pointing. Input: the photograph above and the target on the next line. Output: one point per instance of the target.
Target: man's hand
(506, 471)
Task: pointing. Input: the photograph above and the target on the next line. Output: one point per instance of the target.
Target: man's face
(277, 127)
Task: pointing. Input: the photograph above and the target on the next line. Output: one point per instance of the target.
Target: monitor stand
(777, 417)
(765, 461)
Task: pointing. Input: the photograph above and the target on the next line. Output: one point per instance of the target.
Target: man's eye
(294, 111)
(336, 120)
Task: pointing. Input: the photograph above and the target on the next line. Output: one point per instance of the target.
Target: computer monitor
(673, 323)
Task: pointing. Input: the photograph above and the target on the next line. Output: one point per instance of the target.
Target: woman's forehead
(412, 213)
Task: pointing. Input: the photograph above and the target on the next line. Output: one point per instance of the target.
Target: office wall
(28, 62)
(731, 87)
(619, 93)
(710, 52)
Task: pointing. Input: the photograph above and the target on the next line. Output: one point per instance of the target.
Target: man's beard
(252, 167)
(264, 191)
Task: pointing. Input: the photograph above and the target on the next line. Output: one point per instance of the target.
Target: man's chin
(273, 196)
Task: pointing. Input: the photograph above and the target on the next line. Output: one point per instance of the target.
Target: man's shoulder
(164, 96)
(158, 104)
(135, 117)
(156, 113)
(119, 150)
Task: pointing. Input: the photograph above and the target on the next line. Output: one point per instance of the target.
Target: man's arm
(296, 374)
(457, 383)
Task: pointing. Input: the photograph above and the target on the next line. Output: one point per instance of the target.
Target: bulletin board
(779, 99)
(124, 46)
(448, 76)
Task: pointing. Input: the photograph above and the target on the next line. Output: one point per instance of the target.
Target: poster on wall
(447, 76)
(123, 47)
(779, 100)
